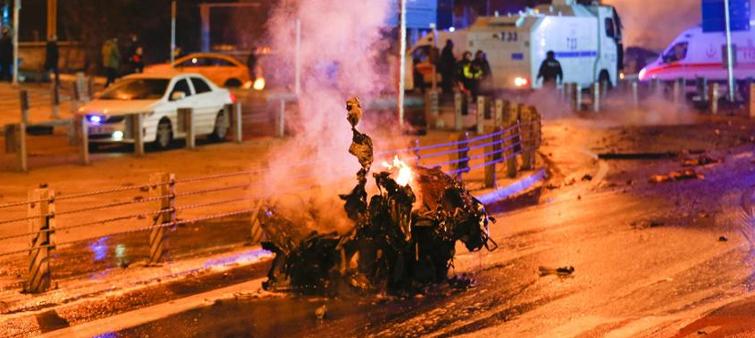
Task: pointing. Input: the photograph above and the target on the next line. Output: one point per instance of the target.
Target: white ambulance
(696, 54)
(586, 38)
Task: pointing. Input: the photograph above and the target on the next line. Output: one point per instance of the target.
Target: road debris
(586, 177)
(564, 271)
(321, 311)
(723, 239)
(687, 174)
(638, 156)
(394, 247)
(700, 160)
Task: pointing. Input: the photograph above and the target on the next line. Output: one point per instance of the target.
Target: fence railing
(166, 201)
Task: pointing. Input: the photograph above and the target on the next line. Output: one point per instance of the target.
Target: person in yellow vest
(471, 74)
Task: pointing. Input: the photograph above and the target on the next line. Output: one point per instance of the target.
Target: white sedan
(158, 97)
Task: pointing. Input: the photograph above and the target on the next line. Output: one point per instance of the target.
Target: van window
(676, 53)
(610, 28)
(181, 86)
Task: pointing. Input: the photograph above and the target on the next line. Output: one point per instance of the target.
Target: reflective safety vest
(472, 72)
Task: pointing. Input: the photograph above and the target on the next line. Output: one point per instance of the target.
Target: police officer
(550, 70)
(471, 74)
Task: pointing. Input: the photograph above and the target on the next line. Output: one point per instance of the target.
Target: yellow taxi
(222, 69)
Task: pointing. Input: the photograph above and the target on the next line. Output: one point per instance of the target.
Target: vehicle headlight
(118, 135)
(259, 83)
(520, 81)
(95, 119)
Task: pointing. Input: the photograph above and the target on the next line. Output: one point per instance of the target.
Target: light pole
(172, 31)
(402, 63)
(729, 51)
(16, 19)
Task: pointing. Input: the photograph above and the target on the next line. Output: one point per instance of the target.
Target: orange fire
(405, 174)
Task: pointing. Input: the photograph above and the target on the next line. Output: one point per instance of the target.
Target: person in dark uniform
(52, 56)
(6, 55)
(550, 71)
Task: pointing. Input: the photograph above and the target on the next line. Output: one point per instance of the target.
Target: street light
(172, 31)
(402, 62)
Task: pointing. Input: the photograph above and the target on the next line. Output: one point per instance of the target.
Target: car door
(182, 84)
(206, 105)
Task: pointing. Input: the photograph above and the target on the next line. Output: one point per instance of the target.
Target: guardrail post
(713, 98)
(481, 114)
(15, 142)
(596, 97)
(462, 156)
(494, 155)
(431, 107)
(55, 114)
(576, 99)
(498, 114)
(458, 111)
(186, 124)
(509, 145)
(237, 123)
(23, 97)
(280, 120)
(527, 137)
(81, 129)
(162, 188)
(136, 130)
(43, 224)
(416, 151)
(635, 94)
(255, 235)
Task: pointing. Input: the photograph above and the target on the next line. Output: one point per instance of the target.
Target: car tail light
(232, 97)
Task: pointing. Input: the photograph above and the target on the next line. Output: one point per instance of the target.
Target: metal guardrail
(518, 136)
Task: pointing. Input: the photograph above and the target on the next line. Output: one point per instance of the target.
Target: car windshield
(136, 89)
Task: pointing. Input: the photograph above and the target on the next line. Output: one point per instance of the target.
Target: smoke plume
(653, 24)
(341, 42)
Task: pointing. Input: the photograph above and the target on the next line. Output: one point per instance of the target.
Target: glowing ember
(405, 174)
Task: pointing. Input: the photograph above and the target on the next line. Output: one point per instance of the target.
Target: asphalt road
(649, 258)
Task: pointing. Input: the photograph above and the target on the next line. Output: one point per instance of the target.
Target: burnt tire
(164, 134)
(222, 125)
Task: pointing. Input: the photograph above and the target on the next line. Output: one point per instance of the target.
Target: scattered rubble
(637, 156)
(394, 246)
(564, 271)
(700, 160)
(687, 174)
(586, 177)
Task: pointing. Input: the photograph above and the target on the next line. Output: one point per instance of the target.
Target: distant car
(158, 96)
(222, 69)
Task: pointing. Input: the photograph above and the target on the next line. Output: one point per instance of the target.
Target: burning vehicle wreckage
(395, 246)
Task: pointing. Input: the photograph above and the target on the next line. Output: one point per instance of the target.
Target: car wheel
(164, 136)
(233, 83)
(222, 124)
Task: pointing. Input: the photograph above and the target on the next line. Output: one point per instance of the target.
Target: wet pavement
(648, 258)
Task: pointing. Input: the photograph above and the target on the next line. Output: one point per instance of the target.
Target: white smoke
(341, 44)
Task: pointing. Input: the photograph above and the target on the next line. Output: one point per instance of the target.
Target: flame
(405, 174)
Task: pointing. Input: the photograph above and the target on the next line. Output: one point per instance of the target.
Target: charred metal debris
(397, 245)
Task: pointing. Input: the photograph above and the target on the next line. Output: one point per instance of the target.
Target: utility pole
(172, 31)
(52, 19)
(729, 51)
(16, 19)
(402, 63)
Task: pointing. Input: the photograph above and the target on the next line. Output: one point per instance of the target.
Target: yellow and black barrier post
(162, 188)
(42, 209)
